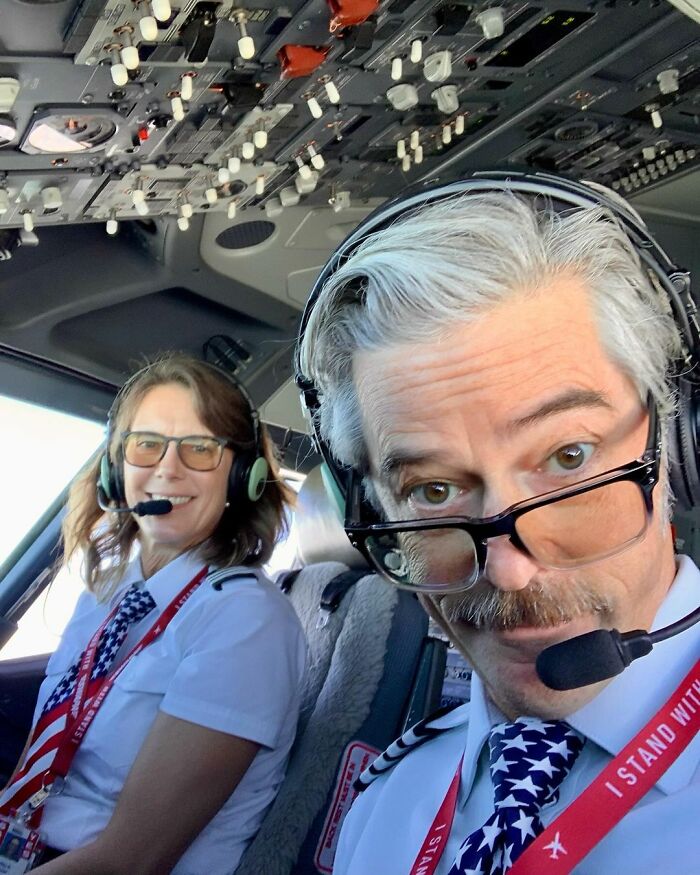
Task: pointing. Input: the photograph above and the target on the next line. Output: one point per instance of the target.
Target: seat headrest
(319, 529)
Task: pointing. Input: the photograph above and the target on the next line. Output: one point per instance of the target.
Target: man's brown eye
(435, 493)
(570, 457)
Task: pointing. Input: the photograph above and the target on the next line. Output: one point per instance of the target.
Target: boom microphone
(156, 507)
(587, 659)
(601, 654)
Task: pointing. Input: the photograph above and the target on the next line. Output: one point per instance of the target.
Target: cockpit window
(41, 450)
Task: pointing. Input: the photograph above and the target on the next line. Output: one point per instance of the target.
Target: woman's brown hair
(247, 531)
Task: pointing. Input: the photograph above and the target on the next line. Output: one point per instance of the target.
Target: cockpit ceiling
(225, 148)
(128, 109)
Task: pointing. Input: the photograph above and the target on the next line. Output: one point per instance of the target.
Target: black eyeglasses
(592, 520)
(144, 449)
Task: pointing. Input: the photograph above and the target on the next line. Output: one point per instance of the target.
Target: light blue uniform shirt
(387, 824)
(231, 660)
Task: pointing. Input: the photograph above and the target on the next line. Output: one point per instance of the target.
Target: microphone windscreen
(157, 507)
(578, 662)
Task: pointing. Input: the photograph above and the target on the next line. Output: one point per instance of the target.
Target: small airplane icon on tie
(556, 847)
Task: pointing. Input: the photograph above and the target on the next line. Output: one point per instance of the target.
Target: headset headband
(224, 373)
(674, 281)
(249, 470)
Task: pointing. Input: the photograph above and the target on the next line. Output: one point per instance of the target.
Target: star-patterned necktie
(134, 606)
(528, 761)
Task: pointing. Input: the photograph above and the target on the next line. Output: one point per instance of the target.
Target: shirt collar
(481, 719)
(166, 583)
(618, 713)
(476, 715)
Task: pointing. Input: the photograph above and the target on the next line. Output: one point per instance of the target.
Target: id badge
(20, 847)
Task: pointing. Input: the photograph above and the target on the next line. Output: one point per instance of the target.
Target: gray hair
(445, 263)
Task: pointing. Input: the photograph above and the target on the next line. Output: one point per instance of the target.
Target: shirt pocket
(80, 629)
(63, 657)
(60, 661)
(128, 713)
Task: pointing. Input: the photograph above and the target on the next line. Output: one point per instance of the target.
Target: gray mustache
(539, 605)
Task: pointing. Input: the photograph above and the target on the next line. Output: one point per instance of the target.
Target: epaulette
(218, 578)
(412, 738)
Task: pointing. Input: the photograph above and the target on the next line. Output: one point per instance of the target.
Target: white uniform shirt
(231, 660)
(387, 824)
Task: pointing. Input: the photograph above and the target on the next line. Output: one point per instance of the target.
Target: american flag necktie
(529, 759)
(134, 606)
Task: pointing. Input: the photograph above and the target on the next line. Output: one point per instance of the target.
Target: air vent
(574, 131)
(245, 235)
(236, 186)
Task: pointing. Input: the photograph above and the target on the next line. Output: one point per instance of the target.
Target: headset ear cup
(111, 481)
(683, 449)
(333, 491)
(248, 477)
(257, 478)
(117, 469)
(105, 479)
(235, 477)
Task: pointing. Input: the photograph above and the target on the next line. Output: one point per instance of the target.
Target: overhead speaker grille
(578, 130)
(245, 235)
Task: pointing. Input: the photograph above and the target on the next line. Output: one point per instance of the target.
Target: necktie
(528, 761)
(134, 606)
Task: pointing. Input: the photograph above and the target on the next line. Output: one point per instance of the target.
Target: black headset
(684, 431)
(249, 470)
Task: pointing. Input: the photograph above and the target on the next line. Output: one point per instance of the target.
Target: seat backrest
(366, 659)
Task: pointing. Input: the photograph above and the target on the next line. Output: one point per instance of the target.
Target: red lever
(299, 61)
(346, 13)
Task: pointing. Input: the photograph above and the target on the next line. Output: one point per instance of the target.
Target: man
(469, 357)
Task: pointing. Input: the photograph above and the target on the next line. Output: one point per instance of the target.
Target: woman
(189, 745)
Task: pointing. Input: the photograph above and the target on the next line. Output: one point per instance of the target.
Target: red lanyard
(590, 817)
(81, 713)
(434, 844)
(620, 785)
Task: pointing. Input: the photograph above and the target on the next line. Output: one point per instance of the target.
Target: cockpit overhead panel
(144, 109)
